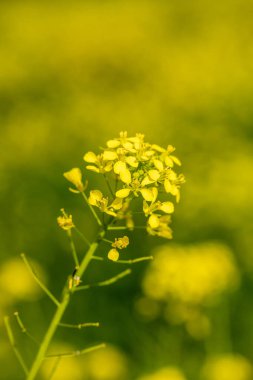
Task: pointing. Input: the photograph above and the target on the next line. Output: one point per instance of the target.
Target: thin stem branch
(108, 185)
(92, 210)
(76, 353)
(98, 258)
(116, 228)
(43, 287)
(54, 368)
(80, 325)
(131, 261)
(23, 328)
(73, 248)
(108, 241)
(13, 344)
(106, 282)
(134, 261)
(82, 236)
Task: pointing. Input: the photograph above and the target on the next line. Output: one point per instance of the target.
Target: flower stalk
(138, 169)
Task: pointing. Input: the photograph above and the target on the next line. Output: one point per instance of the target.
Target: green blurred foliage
(74, 74)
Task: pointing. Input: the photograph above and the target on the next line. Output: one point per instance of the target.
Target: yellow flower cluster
(184, 279)
(138, 168)
(119, 243)
(191, 274)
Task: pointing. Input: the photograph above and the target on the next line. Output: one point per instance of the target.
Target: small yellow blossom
(65, 221)
(113, 254)
(159, 225)
(97, 199)
(75, 176)
(121, 242)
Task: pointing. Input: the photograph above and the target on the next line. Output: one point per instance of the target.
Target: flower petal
(117, 204)
(95, 196)
(132, 161)
(176, 160)
(119, 166)
(153, 221)
(154, 174)
(90, 157)
(167, 207)
(147, 194)
(93, 168)
(75, 176)
(125, 176)
(109, 155)
(113, 143)
(123, 193)
(159, 165)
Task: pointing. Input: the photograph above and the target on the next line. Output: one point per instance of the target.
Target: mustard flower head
(65, 221)
(135, 168)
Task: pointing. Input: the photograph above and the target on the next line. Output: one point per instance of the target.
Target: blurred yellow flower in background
(16, 283)
(191, 274)
(106, 364)
(68, 368)
(167, 373)
(228, 367)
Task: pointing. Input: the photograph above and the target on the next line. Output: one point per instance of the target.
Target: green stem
(76, 353)
(92, 210)
(73, 248)
(80, 325)
(40, 283)
(23, 328)
(61, 307)
(106, 282)
(118, 228)
(109, 185)
(82, 236)
(137, 260)
(131, 261)
(13, 345)
(108, 241)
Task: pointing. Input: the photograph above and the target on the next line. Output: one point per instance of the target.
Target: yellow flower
(113, 255)
(65, 221)
(97, 199)
(121, 242)
(100, 165)
(166, 373)
(159, 225)
(75, 176)
(228, 367)
(192, 275)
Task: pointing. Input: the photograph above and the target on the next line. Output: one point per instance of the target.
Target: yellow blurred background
(72, 76)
